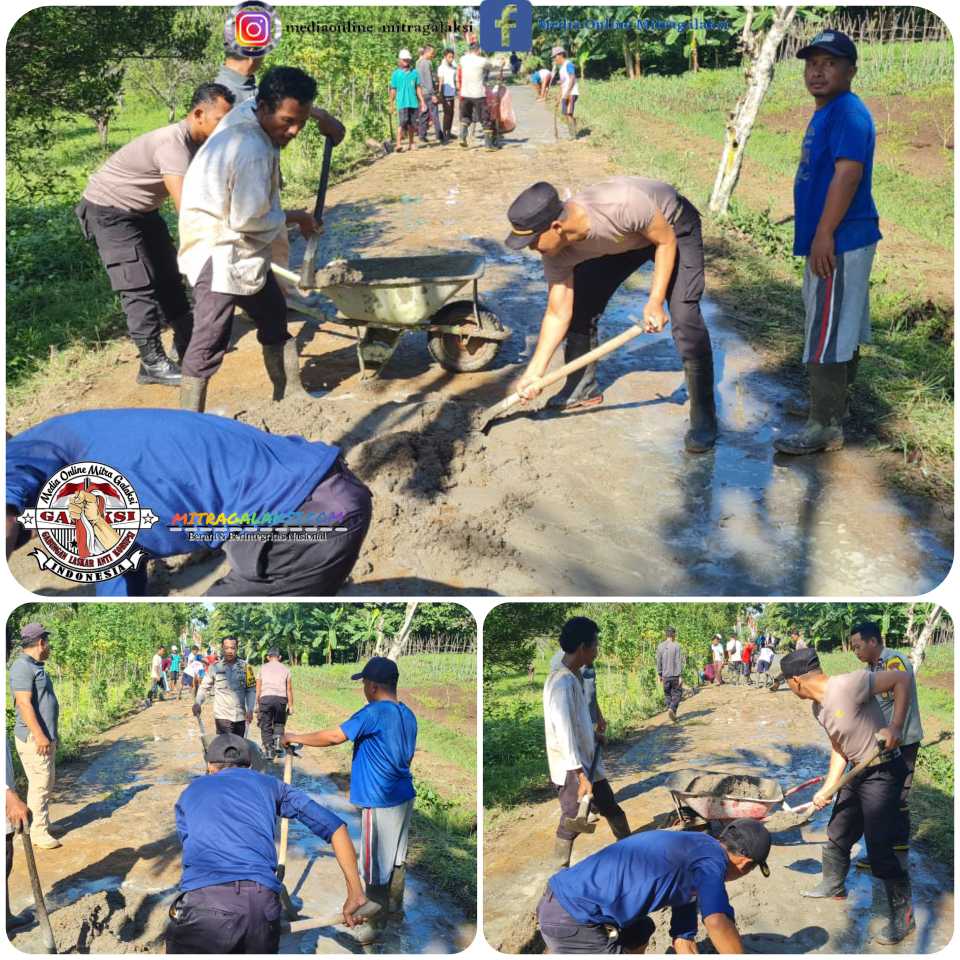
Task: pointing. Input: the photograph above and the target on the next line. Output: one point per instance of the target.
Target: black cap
(749, 838)
(273, 652)
(832, 41)
(31, 633)
(670, 632)
(229, 748)
(379, 670)
(799, 662)
(531, 213)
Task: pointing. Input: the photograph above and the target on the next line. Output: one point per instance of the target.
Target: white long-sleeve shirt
(568, 727)
(230, 207)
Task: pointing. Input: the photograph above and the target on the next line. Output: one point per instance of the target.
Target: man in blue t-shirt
(602, 904)
(180, 462)
(229, 898)
(384, 735)
(836, 228)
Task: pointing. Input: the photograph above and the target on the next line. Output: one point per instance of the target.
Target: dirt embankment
(731, 731)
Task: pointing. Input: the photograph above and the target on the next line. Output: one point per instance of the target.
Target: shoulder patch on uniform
(251, 678)
(895, 663)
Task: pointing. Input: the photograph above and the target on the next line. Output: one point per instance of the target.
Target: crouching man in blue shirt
(601, 905)
(230, 899)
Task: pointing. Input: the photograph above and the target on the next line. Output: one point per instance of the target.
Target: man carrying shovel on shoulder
(590, 245)
(384, 735)
(572, 750)
(234, 688)
(846, 707)
(230, 894)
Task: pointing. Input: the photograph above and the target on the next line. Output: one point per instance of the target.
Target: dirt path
(727, 730)
(602, 503)
(110, 885)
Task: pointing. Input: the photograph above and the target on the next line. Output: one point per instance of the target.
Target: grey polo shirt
(243, 88)
(27, 674)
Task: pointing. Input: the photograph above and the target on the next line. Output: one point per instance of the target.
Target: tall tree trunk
(694, 60)
(744, 114)
(103, 130)
(637, 67)
(920, 644)
(627, 58)
(400, 640)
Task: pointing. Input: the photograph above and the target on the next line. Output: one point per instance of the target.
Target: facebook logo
(506, 25)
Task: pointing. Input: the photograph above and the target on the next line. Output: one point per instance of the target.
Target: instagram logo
(252, 29)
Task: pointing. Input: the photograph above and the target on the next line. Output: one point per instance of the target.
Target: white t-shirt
(193, 667)
(447, 78)
(717, 649)
(156, 667)
(567, 726)
(766, 655)
(473, 69)
(568, 80)
(734, 650)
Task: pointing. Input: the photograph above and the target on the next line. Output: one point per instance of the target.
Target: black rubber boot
(464, 133)
(893, 904)
(831, 885)
(702, 434)
(828, 399)
(801, 408)
(283, 367)
(193, 394)
(19, 921)
(397, 884)
(488, 140)
(619, 826)
(562, 851)
(156, 366)
(580, 388)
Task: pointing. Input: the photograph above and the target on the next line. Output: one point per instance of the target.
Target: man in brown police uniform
(590, 244)
(846, 707)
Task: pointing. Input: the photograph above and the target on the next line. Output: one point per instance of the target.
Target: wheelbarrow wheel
(461, 353)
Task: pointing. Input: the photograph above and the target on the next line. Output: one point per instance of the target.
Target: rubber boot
(464, 133)
(488, 140)
(828, 397)
(702, 434)
(801, 408)
(580, 388)
(397, 884)
(193, 394)
(283, 367)
(155, 366)
(893, 906)
(562, 851)
(18, 921)
(278, 729)
(831, 885)
(619, 826)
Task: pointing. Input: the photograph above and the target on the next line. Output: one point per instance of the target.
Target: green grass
(904, 396)
(443, 839)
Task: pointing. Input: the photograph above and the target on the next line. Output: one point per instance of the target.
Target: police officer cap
(750, 839)
(799, 662)
(229, 748)
(379, 670)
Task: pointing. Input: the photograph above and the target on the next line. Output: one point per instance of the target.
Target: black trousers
(141, 262)
(869, 807)
(239, 727)
(595, 281)
(304, 567)
(562, 934)
(673, 691)
(448, 105)
(474, 110)
(239, 917)
(901, 835)
(214, 321)
(273, 712)
(603, 802)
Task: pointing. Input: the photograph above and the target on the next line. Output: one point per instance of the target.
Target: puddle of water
(79, 889)
(431, 922)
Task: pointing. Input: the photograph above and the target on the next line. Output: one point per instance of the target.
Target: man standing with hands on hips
(234, 689)
(590, 244)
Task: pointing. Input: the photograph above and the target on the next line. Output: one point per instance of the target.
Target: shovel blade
(788, 819)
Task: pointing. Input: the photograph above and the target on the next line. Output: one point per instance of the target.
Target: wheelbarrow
(385, 297)
(700, 796)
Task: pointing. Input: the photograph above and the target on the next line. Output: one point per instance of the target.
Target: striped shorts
(384, 833)
(837, 308)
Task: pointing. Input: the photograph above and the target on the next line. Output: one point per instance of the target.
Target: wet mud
(736, 732)
(602, 502)
(108, 889)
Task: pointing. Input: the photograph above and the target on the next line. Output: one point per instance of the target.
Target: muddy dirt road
(605, 502)
(727, 730)
(108, 888)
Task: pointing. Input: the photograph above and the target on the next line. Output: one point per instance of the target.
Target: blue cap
(831, 41)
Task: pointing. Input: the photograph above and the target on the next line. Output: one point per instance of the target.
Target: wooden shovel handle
(855, 772)
(284, 822)
(608, 346)
(368, 910)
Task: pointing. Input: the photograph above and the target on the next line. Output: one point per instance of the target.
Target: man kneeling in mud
(602, 904)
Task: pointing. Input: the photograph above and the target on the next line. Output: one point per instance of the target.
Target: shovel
(792, 817)
(288, 906)
(204, 739)
(38, 900)
(309, 267)
(582, 823)
(608, 346)
(368, 910)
